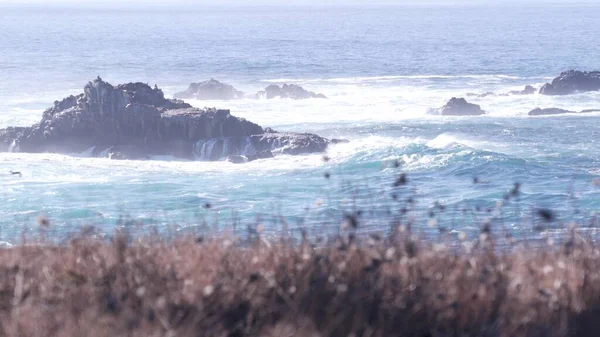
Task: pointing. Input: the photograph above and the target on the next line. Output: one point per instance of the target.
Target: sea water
(382, 68)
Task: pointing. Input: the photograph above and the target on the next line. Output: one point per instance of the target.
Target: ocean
(382, 68)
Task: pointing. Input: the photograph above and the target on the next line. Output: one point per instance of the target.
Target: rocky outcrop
(135, 121)
(557, 111)
(458, 107)
(210, 90)
(291, 91)
(572, 81)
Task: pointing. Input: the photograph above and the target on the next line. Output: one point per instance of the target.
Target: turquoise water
(381, 67)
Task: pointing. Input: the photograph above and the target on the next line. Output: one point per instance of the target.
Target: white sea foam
(371, 112)
(449, 140)
(397, 98)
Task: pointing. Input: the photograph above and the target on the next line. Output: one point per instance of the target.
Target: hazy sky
(136, 3)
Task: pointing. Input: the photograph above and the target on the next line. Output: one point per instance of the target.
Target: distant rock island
(210, 90)
(572, 81)
(215, 90)
(567, 83)
(291, 91)
(557, 111)
(135, 121)
(458, 107)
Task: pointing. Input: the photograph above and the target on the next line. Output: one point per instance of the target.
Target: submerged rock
(123, 153)
(458, 107)
(572, 81)
(262, 155)
(210, 90)
(339, 141)
(528, 90)
(239, 159)
(135, 121)
(486, 94)
(291, 91)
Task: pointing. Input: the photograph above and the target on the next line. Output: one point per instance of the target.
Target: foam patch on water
(383, 117)
(395, 98)
(370, 148)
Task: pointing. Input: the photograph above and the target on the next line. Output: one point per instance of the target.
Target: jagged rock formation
(557, 111)
(458, 107)
(210, 90)
(291, 91)
(135, 121)
(572, 81)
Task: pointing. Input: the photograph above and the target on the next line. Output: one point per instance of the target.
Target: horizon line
(177, 6)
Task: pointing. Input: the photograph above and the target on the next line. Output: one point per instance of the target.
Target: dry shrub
(221, 287)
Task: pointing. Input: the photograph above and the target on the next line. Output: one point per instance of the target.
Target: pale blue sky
(136, 3)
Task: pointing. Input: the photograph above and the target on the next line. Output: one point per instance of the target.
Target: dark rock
(292, 91)
(339, 141)
(293, 143)
(572, 81)
(276, 143)
(237, 159)
(210, 90)
(528, 90)
(549, 111)
(262, 155)
(589, 110)
(135, 121)
(458, 107)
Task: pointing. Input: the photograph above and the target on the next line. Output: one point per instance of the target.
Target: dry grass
(376, 287)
